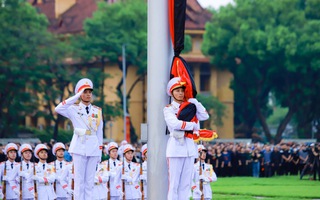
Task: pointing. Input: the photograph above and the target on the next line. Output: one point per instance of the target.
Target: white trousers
(180, 175)
(84, 172)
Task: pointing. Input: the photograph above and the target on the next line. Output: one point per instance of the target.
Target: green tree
(23, 37)
(111, 27)
(269, 46)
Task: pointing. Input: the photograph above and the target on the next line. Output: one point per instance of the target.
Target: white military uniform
(60, 167)
(9, 168)
(131, 177)
(114, 167)
(144, 177)
(181, 150)
(100, 183)
(66, 178)
(27, 182)
(46, 176)
(208, 176)
(25, 171)
(114, 178)
(12, 185)
(86, 140)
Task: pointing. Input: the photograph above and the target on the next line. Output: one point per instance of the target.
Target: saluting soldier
(45, 174)
(114, 166)
(143, 177)
(25, 171)
(207, 176)
(60, 165)
(86, 143)
(181, 149)
(131, 174)
(12, 186)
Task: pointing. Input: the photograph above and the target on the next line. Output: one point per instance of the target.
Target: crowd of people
(263, 160)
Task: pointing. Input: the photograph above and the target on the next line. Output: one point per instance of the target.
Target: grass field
(275, 188)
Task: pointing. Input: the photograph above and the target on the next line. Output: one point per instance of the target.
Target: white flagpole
(160, 54)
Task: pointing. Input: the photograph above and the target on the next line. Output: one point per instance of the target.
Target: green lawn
(276, 188)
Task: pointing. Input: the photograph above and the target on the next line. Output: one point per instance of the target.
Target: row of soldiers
(114, 179)
(29, 180)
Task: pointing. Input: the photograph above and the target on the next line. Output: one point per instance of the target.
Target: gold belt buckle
(88, 132)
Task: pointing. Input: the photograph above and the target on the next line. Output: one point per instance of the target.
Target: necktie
(87, 109)
(11, 165)
(203, 166)
(60, 165)
(129, 167)
(114, 163)
(27, 165)
(44, 166)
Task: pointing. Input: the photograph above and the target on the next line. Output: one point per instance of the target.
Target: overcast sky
(214, 3)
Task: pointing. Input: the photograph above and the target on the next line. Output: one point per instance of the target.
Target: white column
(159, 60)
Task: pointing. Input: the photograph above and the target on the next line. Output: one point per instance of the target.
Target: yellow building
(68, 17)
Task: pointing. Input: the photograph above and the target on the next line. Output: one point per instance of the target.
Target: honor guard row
(113, 179)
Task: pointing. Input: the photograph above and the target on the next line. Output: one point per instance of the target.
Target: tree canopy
(270, 46)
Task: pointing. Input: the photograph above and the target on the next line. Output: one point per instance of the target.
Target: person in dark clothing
(226, 163)
(267, 161)
(256, 161)
(275, 161)
(286, 159)
(51, 157)
(303, 158)
(242, 162)
(294, 162)
(316, 161)
(219, 168)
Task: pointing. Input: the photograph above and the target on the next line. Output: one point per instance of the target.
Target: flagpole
(124, 95)
(159, 60)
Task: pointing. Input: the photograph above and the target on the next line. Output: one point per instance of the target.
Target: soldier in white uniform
(60, 165)
(26, 172)
(114, 166)
(12, 187)
(181, 149)
(131, 174)
(86, 143)
(207, 176)
(100, 183)
(143, 177)
(120, 150)
(45, 174)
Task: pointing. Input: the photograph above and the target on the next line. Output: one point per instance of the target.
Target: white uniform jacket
(132, 186)
(100, 182)
(209, 176)
(67, 177)
(114, 177)
(11, 182)
(60, 168)
(87, 137)
(187, 148)
(27, 181)
(145, 181)
(46, 177)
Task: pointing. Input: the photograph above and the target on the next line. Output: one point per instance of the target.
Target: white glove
(23, 174)
(196, 133)
(1, 195)
(195, 126)
(4, 178)
(121, 193)
(16, 191)
(126, 178)
(69, 191)
(143, 177)
(205, 179)
(197, 192)
(58, 179)
(193, 100)
(96, 179)
(178, 134)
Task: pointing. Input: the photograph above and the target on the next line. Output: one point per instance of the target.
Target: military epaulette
(169, 105)
(96, 107)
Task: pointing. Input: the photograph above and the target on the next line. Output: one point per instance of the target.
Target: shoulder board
(96, 107)
(169, 105)
(17, 163)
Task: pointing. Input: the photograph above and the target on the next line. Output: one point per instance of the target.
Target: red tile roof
(71, 21)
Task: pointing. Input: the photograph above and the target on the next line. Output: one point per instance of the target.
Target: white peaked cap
(173, 84)
(11, 146)
(201, 148)
(57, 146)
(144, 150)
(123, 142)
(24, 147)
(38, 148)
(84, 83)
(112, 145)
(127, 147)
